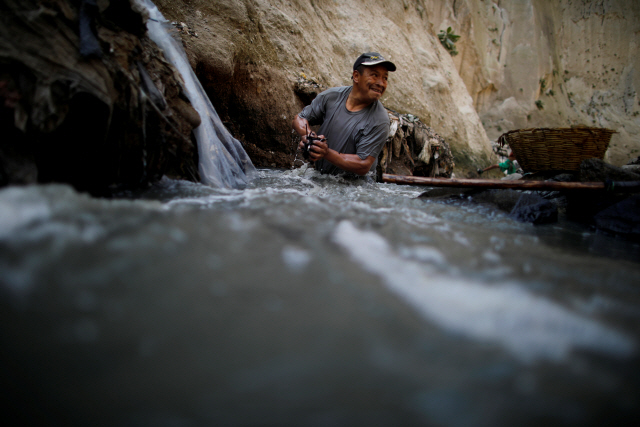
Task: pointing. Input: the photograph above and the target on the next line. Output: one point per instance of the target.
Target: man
(351, 118)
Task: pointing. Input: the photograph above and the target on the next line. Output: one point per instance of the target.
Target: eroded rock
(98, 112)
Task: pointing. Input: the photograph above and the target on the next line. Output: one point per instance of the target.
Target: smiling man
(351, 118)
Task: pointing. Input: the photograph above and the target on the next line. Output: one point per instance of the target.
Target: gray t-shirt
(362, 132)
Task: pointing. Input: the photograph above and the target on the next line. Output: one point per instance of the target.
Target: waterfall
(223, 163)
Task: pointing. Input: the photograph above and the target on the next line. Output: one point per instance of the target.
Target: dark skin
(368, 87)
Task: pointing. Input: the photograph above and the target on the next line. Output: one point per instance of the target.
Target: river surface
(308, 300)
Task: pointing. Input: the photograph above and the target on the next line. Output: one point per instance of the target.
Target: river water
(309, 300)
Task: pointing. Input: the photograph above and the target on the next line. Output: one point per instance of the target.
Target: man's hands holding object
(313, 146)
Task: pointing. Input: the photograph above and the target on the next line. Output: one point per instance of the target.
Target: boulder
(621, 218)
(534, 208)
(596, 170)
(584, 206)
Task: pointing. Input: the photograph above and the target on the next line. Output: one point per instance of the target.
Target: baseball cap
(373, 58)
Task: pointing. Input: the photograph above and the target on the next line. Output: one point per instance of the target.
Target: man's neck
(355, 102)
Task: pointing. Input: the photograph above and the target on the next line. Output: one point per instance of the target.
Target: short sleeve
(315, 112)
(372, 141)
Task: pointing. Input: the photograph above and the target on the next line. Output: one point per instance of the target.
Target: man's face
(372, 82)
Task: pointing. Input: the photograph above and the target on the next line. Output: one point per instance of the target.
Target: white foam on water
(18, 208)
(529, 326)
(295, 258)
(204, 201)
(424, 254)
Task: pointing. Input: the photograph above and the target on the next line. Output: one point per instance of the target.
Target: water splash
(223, 162)
(530, 327)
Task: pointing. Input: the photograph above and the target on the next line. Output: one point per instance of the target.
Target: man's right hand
(318, 149)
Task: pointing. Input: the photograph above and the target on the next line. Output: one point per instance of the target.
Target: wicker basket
(543, 149)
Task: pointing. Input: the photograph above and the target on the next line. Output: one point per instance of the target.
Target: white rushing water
(530, 327)
(223, 162)
(289, 300)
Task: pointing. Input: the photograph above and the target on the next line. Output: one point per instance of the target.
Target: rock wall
(98, 108)
(550, 63)
(251, 54)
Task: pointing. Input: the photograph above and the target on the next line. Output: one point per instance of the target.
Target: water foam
(529, 326)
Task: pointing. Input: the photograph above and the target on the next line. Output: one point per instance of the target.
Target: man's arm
(350, 162)
(300, 125)
(320, 150)
(347, 162)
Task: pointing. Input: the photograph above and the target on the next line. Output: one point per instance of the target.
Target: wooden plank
(505, 184)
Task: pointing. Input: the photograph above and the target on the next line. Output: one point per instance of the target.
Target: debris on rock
(184, 28)
(414, 148)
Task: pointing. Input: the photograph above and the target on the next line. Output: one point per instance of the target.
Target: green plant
(543, 84)
(539, 104)
(448, 40)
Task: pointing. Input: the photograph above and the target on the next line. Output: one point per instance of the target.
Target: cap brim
(390, 65)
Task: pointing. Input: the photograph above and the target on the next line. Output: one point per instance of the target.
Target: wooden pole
(514, 184)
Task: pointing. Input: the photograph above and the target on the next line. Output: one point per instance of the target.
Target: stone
(632, 168)
(596, 170)
(505, 200)
(511, 56)
(621, 218)
(534, 208)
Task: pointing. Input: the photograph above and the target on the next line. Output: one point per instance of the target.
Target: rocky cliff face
(521, 64)
(257, 58)
(549, 63)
